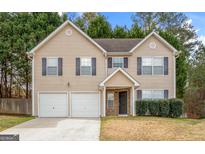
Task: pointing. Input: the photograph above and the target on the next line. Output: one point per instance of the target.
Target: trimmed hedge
(154, 107)
(142, 107)
(176, 108)
(165, 108)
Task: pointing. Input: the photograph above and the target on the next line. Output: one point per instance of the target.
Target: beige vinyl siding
(111, 70)
(153, 81)
(68, 47)
(119, 79)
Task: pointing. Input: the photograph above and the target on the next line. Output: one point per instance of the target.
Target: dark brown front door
(123, 102)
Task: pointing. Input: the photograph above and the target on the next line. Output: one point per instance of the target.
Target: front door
(123, 102)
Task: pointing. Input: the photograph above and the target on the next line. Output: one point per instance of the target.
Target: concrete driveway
(57, 129)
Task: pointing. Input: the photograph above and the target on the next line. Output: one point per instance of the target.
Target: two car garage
(64, 104)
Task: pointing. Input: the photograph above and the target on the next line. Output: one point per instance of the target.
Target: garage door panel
(85, 105)
(53, 105)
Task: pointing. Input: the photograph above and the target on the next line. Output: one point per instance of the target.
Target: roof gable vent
(152, 45)
(68, 32)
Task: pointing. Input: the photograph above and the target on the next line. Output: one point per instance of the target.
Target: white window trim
(90, 66)
(152, 91)
(122, 62)
(153, 65)
(113, 107)
(47, 66)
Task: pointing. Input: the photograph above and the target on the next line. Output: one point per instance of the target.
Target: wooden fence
(15, 106)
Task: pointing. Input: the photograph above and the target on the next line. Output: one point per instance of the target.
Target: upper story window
(117, 62)
(158, 65)
(152, 66)
(152, 94)
(86, 66)
(52, 66)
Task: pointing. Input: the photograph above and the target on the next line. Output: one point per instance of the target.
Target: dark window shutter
(109, 62)
(139, 95)
(93, 66)
(139, 65)
(166, 69)
(166, 94)
(44, 66)
(77, 60)
(125, 62)
(60, 66)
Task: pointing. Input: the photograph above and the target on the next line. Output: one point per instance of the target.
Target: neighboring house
(76, 76)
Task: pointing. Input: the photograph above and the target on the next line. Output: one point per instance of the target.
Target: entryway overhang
(121, 76)
(120, 80)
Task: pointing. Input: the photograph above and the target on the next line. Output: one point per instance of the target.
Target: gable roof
(157, 36)
(129, 45)
(67, 22)
(106, 45)
(117, 45)
(123, 72)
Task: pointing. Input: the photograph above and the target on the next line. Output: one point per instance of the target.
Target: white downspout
(174, 76)
(33, 90)
(106, 66)
(133, 101)
(104, 100)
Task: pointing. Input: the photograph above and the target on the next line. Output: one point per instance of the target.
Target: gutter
(119, 53)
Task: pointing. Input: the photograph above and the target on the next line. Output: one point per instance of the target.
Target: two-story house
(74, 75)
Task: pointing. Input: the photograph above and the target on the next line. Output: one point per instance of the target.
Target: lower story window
(110, 100)
(152, 94)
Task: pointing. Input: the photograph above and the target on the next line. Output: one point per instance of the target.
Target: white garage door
(53, 105)
(85, 105)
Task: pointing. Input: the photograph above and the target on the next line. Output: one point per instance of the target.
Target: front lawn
(151, 128)
(10, 121)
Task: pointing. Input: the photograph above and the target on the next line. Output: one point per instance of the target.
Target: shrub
(164, 108)
(138, 106)
(142, 107)
(153, 107)
(176, 108)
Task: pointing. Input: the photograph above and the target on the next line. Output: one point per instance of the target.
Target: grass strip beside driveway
(7, 121)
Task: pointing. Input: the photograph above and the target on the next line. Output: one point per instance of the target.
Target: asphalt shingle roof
(117, 45)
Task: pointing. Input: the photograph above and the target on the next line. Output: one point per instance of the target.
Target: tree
(83, 21)
(146, 20)
(81, 24)
(37, 27)
(136, 32)
(6, 54)
(197, 69)
(120, 32)
(195, 92)
(20, 32)
(99, 28)
(176, 23)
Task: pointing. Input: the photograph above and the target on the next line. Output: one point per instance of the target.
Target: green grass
(7, 121)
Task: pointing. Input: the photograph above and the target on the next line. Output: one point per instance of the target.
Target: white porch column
(104, 101)
(133, 101)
